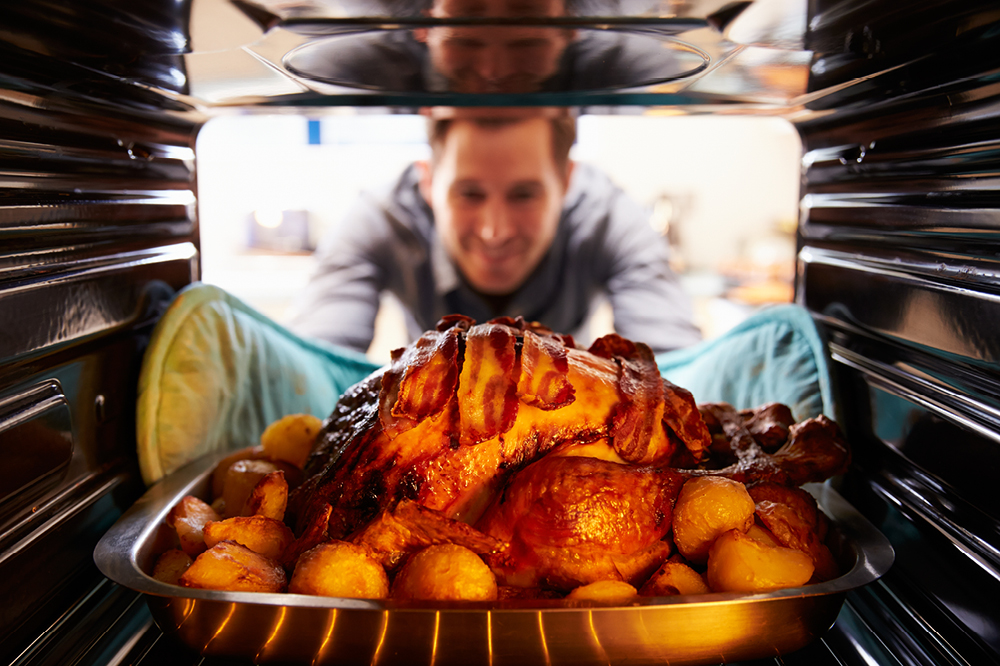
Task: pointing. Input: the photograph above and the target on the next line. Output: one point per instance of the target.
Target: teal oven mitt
(217, 373)
(775, 355)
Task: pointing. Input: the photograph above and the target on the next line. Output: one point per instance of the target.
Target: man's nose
(496, 224)
(496, 63)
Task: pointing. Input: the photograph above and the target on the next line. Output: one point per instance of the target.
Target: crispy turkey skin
(559, 466)
(464, 407)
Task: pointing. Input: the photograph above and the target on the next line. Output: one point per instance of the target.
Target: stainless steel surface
(935, 302)
(41, 413)
(287, 627)
(898, 260)
(98, 230)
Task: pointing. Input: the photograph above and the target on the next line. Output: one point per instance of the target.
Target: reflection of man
(499, 222)
(498, 58)
(494, 58)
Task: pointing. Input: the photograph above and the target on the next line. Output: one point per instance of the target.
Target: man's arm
(647, 298)
(341, 300)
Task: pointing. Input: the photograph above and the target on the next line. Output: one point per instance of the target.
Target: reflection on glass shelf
(313, 10)
(497, 53)
(495, 59)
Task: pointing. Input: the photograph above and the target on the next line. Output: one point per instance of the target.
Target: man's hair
(563, 133)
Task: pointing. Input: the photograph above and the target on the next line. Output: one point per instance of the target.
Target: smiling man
(496, 58)
(496, 187)
(499, 222)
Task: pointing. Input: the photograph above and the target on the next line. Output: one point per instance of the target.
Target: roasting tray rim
(119, 556)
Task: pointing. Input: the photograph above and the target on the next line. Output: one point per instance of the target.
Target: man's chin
(495, 290)
(478, 85)
(493, 286)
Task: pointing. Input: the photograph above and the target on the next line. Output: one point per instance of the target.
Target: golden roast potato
(445, 572)
(188, 518)
(291, 437)
(604, 591)
(241, 478)
(170, 565)
(706, 507)
(674, 578)
(339, 569)
(268, 498)
(229, 566)
(222, 467)
(261, 534)
(739, 563)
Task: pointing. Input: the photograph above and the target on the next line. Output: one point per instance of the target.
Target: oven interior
(897, 108)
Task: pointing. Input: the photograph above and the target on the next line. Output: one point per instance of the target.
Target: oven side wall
(898, 258)
(98, 230)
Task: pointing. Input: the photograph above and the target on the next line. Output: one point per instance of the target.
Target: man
(498, 222)
(495, 58)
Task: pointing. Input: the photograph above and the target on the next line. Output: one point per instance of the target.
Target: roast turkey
(559, 465)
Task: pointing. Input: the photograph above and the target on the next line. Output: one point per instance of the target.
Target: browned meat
(792, 516)
(487, 389)
(410, 527)
(421, 380)
(814, 451)
(544, 381)
(768, 424)
(574, 520)
(467, 405)
(560, 466)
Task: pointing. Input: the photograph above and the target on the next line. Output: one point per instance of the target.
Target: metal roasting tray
(292, 628)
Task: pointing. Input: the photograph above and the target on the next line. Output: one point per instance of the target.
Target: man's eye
(465, 43)
(472, 196)
(523, 45)
(523, 195)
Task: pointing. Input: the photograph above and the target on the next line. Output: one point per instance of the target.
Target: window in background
(723, 189)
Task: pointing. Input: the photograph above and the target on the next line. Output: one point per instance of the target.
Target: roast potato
(339, 569)
(604, 591)
(268, 498)
(763, 535)
(188, 518)
(793, 528)
(739, 563)
(706, 507)
(291, 437)
(261, 534)
(170, 565)
(229, 566)
(241, 477)
(445, 571)
(674, 578)
(222, 467)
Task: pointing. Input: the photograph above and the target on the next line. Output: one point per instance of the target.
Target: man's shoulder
(593, 199)
(586, 175)
(384, 217)
(397, 201)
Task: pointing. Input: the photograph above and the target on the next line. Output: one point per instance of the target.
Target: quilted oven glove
(217, 373)
(775, 355)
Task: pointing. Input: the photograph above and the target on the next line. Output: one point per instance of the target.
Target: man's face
(497, 194)
(496, 58)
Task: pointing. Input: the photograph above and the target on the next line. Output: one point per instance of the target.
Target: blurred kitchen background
(722, 189)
